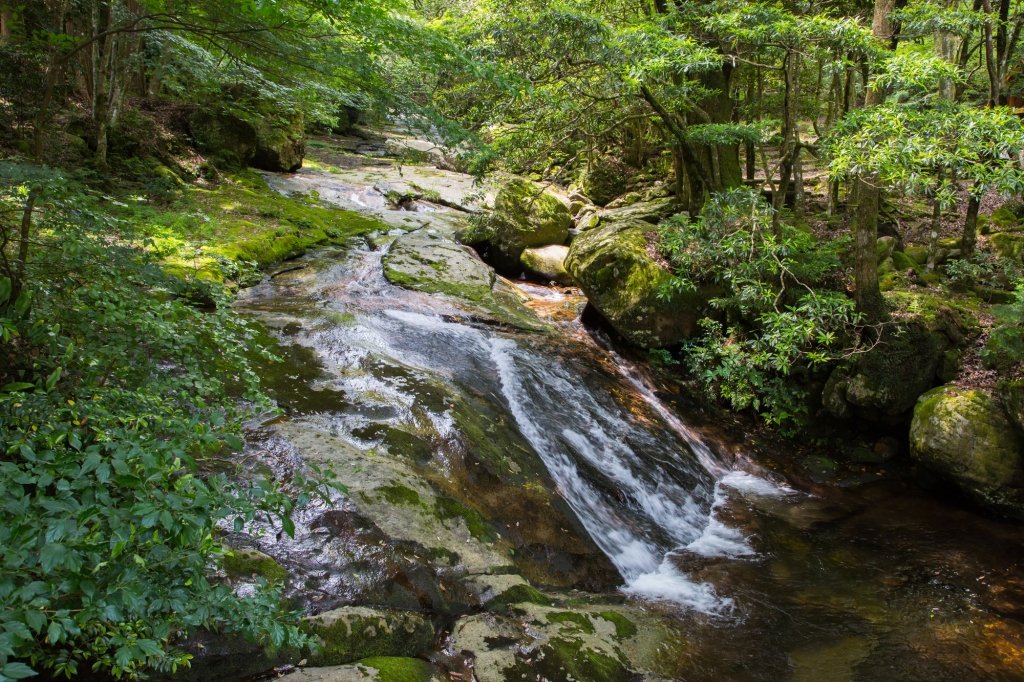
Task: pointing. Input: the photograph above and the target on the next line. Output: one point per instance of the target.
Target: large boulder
(653, 211)
(915, 354)
(224, 135)
(548, 262)
(604, 178)
(280, 143)
(270, 140)
(614, 266)
(965, 436)
(352, 633)
(525, 216)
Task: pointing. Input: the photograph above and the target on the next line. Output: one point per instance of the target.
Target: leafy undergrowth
(120, 406)
(229, 231)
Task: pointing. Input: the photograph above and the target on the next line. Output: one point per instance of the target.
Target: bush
(118, 410)
(778, 322)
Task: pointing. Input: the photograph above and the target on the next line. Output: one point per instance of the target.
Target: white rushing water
(641, 497)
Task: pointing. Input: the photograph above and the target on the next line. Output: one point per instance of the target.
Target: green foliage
(119, 409)
(1004, 349)
(779, 325)
(982, 268)
(928, 151)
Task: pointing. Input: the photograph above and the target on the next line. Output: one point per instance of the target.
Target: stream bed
(483, 458)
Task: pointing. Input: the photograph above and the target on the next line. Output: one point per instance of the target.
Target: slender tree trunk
(868, 295)
(969, 238)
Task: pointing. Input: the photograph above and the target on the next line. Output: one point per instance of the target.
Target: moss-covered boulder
(224, 135)
(243, 564)
(377, 669)
(653, 211)
(525, 216)
(622, 280)
(1008, 245)
(548, 263)
(352, 633)
(280, 143)
(914, 355)
(1011, 393)
(604, 178)
(965, 436)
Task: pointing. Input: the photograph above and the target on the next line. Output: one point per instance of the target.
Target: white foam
(745, 482)
(667, 583)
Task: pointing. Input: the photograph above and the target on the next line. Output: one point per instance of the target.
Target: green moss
(248, 563)
(398, 669)
(400, 494)
(624, 627)
(1008, 245)
(918, 254)
(563, 659)
(578, 620)
(209, 231)
(353, 633)
(521, 594)
(450, 508)
(1005, 217)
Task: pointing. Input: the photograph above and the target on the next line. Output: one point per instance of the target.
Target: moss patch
(226, 231)
(577, 620)
(450, 508)
(624, 627)
(400, 494)
(249, 563)
(521, 594)
(398, 669)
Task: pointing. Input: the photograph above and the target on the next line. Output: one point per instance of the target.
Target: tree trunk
(868, 295)
(969, 238)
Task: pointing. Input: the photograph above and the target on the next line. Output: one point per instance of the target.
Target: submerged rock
(613, 266)
(966, 437)
(352, 633)
(548, 262)
(525, 216)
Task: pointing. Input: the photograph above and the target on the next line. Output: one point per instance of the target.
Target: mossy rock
(525, 216)
(438, 266)
(885, 246)
(1008, 245)
(352, 633)
(251, 563)
(653, 211)
(280, 142)
(224, 135)
(569, 659)
(613, 266)
(918, 254)
(965, 436)
(1008, 218)
(1011, 392)
(604, 178)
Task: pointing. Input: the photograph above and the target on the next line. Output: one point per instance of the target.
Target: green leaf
(17, 671)
(51, 381)
(5, 289)
(17, 386)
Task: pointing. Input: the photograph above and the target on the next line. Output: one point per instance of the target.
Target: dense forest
(511, 339)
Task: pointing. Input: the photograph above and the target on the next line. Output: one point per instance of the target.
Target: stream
(472, 450)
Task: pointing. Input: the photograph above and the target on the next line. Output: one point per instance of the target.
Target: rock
(379, 668)
(525, 216)
(965, 436)
(885, 246)
(605, 178)
(575, 207)
(653, 211)
(348, 117)
(1011, 392)
(884, 383)
(623, 281)
(593, 642)
(438, 266)
(918, 254)
(626, 199)
(224, 135)
(588, 219)
(547, 262)
(280, 143)
(251, 563)
(1008, 245)
(352, 633)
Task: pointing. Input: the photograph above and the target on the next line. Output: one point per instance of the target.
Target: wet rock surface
(529, 500)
